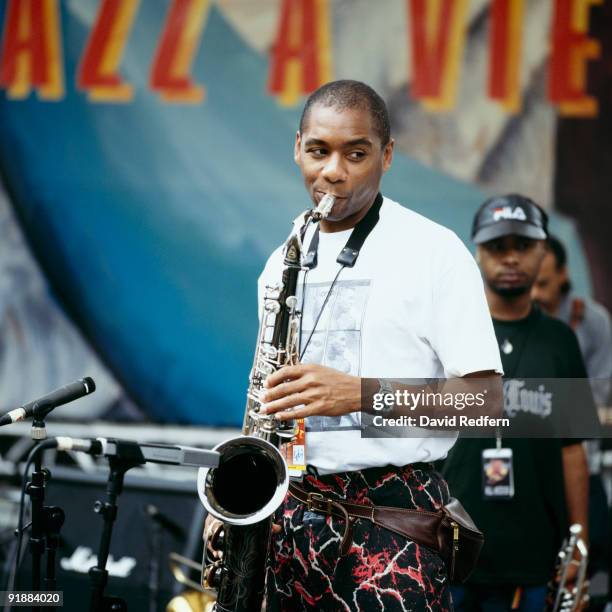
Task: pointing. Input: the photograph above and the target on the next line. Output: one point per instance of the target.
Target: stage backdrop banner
(146, 150)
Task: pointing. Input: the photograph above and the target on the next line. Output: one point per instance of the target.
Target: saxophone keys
(272, 306)
(269, 351)
(212, 575)
(217, 537)
(273, 291)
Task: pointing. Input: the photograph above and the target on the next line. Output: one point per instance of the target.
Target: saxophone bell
(249, 483)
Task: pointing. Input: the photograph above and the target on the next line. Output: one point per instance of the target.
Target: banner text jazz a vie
(301, 57)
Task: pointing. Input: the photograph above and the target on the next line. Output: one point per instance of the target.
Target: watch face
(385, 388)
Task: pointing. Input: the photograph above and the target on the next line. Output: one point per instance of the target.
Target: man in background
(591, 323)
(589, 319)
(546, 480)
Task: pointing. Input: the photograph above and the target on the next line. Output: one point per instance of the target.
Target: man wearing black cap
(545, 480)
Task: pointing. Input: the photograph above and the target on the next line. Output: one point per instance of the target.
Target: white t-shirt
(413, 306)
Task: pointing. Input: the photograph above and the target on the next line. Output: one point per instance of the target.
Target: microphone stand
(54, 519)
(128, 457)
(154, 564)
(36, 491)
(158, 525)
(47, 521)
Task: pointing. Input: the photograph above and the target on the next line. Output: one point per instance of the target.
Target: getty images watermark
(480, 407)
(425, 405)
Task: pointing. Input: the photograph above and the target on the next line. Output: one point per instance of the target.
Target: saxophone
(252, 478)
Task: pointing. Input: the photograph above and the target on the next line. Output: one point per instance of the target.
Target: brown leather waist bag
(450, 532)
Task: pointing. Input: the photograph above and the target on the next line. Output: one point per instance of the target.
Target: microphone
(91, 446)
(138, 452)
(43, 405)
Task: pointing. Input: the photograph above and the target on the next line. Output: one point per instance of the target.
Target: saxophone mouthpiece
(324, 208)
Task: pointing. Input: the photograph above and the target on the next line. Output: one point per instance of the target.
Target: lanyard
(517, 363)
(515, 367)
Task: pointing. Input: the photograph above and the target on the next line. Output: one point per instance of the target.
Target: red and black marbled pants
(382, 571)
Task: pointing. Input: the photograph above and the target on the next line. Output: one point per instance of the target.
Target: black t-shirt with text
(522, 534)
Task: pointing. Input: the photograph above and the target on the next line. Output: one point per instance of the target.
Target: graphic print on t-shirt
(336, 342)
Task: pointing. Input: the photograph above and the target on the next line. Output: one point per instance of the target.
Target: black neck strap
(349, 254)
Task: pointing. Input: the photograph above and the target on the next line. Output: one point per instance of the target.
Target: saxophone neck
(293, 250)
(294, 246)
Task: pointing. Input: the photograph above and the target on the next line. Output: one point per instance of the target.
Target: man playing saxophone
(406, 301)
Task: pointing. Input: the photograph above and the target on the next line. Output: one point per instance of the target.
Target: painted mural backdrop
(146, 157)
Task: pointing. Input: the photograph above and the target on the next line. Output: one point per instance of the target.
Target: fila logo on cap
(507, 212)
